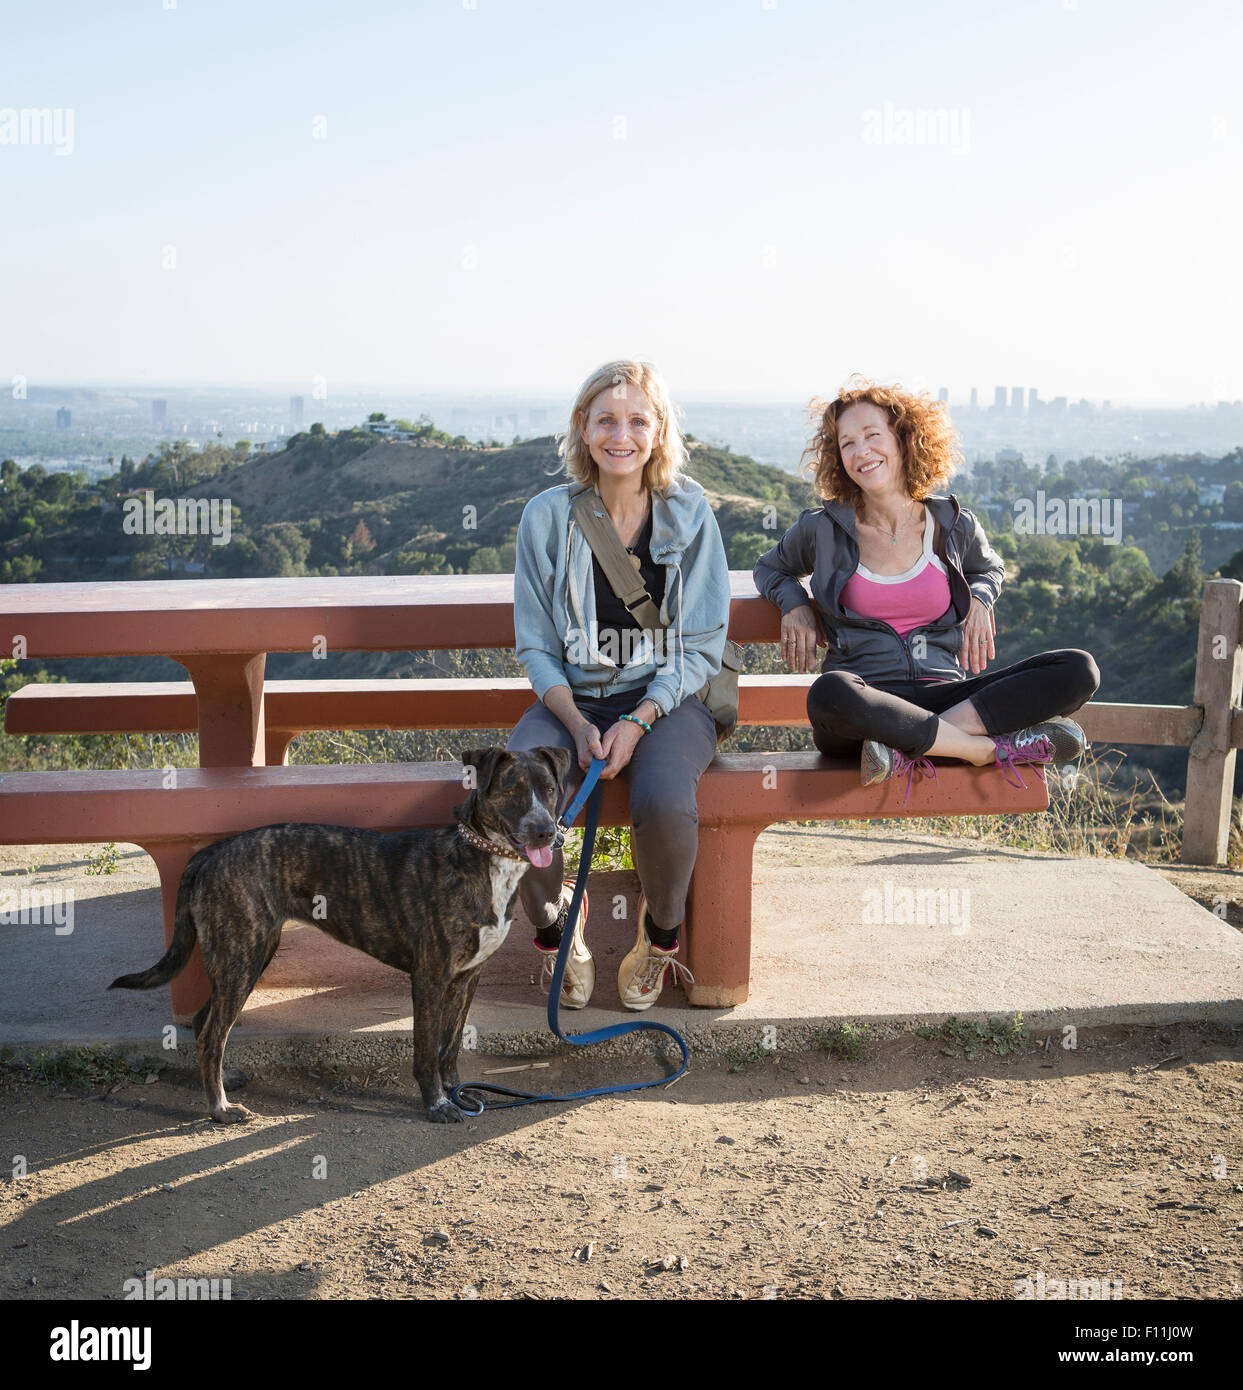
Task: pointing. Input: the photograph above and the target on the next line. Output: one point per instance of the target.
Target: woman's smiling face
(870, 451)
(619, 430)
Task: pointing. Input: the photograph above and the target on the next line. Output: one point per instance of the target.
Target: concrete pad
(866, 924)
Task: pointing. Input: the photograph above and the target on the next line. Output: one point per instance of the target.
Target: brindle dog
(428, 902)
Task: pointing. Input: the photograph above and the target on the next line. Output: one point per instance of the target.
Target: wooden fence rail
(1211, 728)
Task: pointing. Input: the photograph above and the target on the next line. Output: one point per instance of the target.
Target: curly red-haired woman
(904, 582)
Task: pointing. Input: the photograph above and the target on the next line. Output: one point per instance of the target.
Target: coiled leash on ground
(590, 792)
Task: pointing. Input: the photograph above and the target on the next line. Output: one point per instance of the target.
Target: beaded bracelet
(635, 720)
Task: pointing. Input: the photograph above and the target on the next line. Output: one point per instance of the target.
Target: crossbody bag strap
(623, 577)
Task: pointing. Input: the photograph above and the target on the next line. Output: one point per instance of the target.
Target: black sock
(658, 936)
(551, 935)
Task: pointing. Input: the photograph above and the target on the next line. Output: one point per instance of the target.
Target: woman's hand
(587, 744)
(619, 743)
(799, 638)
(977, 638)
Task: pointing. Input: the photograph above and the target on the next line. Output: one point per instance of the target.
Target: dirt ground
(908, 1174)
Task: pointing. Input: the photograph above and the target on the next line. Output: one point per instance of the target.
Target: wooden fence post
(1210, 766)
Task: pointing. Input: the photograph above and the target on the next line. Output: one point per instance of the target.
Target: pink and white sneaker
(878, 762)
(1058, 740)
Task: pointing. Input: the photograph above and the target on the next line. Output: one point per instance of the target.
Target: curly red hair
(929, 442)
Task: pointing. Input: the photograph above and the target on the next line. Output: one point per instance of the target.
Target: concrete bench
(220, 630)
(739, 796)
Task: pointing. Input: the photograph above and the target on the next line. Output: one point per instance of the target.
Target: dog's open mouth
(539, 855)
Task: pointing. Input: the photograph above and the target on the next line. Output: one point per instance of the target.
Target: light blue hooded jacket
(555, 600)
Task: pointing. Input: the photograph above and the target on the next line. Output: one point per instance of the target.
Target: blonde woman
(903, 582)
(607, 688)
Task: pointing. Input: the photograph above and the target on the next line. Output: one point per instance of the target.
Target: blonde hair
(668, 458)
(928, 440)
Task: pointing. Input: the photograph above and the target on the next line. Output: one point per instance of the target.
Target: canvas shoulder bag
(720, 693)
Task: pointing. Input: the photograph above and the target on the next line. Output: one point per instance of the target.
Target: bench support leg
(191, 988)
(229, 687)
(276, 742)
(718, 916)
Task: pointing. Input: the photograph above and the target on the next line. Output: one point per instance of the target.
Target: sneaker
(1068, 739)
(878, 762)
(642, 973)
(580, 969)
(1057, 740)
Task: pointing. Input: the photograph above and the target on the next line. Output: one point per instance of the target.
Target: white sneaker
(580, 969)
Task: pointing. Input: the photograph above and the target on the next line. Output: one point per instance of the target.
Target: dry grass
(1103, 807)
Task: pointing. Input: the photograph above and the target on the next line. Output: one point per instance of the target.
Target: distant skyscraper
(1033, 398)
(975, 399)
(943, 394)
(999, 397)
(295, 411)
(1016, 400)
(63, 418)
(159, 412)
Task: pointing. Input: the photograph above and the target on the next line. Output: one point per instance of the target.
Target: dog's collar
(490, 846)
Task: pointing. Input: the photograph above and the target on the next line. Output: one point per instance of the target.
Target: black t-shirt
(612, 615)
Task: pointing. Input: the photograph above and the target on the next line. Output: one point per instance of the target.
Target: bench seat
(739, 796)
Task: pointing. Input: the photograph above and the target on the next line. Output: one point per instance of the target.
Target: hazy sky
(508, 192)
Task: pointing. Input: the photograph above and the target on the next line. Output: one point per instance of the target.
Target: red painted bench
(220, 631)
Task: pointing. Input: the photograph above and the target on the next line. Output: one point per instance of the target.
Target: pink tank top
(904, 601)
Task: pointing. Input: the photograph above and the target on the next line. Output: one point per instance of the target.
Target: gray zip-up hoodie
(555, 620)
(823, 543)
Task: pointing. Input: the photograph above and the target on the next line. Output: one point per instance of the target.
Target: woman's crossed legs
(951, 719)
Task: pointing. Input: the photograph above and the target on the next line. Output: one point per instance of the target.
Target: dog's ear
(484, 761)
(561, 760)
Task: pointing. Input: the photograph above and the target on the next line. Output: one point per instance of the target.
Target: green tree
(21, 569)
(744, 548)
(148, 564)
(1186, 579)
(1040, 557)
(1004, 542)
(1129, 568)
(283, 551)
(485, 560)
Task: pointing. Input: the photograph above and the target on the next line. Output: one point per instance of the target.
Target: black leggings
(844, 710)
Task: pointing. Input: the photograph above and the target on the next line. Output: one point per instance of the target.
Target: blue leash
(590, 792)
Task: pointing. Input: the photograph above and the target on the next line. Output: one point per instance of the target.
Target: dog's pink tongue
(541, 858)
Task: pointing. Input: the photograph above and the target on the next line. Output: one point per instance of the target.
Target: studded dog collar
(490, 846)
